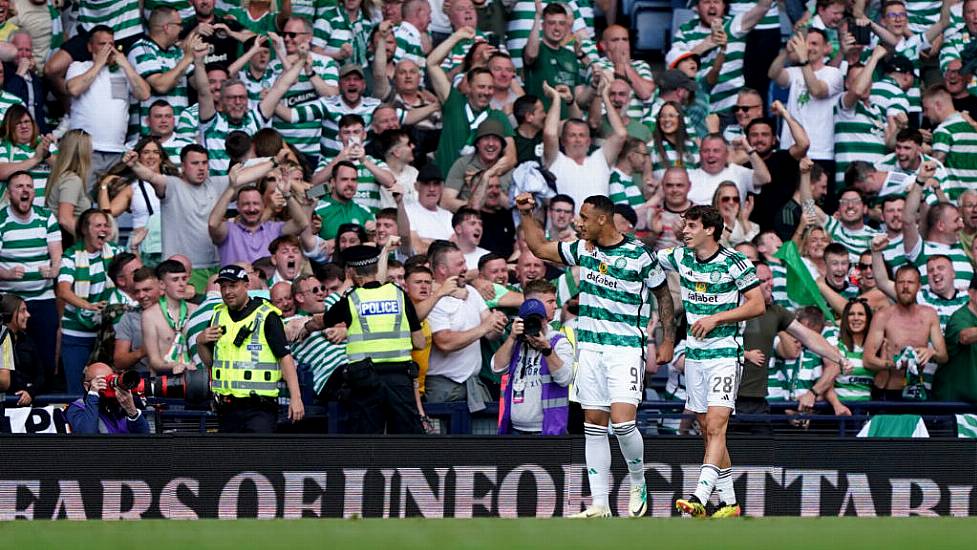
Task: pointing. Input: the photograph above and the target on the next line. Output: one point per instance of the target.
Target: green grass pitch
(500, 534)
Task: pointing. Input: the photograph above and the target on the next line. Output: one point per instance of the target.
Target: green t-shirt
(556, 66)
(460, 124)
(956, 380)
(334, 214)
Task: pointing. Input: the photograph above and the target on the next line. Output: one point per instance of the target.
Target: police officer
(383, 329)
(246, 348)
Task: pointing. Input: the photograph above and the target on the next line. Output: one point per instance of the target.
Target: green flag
(801, 287)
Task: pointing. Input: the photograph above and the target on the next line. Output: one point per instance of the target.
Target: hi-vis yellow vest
(250, 369)
(380, 330)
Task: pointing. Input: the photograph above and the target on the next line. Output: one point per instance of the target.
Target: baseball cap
(673, 79)
(674, 57)
(351, 68)
(900, 64)
(532, 306)
(430, 172)
(232, 273)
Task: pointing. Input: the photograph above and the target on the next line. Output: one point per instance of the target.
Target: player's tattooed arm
(666, 315)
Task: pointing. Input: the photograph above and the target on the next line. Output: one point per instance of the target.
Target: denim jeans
(74, 358)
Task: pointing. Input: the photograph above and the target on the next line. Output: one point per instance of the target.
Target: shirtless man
(898, 327)
(161, 323)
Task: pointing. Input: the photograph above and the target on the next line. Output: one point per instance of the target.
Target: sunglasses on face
(744, 108)
(733, 198)
(293, 35)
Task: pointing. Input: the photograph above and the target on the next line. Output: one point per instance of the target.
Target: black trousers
(762, 47)
(383, 404)
(248, 415)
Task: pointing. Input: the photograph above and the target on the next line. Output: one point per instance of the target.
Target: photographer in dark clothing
(105, 409)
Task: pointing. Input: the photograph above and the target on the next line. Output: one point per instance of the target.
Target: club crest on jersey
(602, 268)
(620, 263)
(700, 287)
(714, 277)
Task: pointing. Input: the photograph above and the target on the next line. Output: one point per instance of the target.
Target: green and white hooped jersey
(859, 135)
(322, 356)
(723, 94)
(961, 263)
(215, 133)
(122, 17)
(187, 125)
(197, 322)
(615, 292)
(149, 59)
(770, 20)
(10, 152)
(894, 185)
(521, 23)
(895, 254)
(710, 287)
(689, 160)
(326, 112)
(304, 135)
(622, 189)
(780, 298)
(367, 189)
(789, 379)
(25, 244)
(945, 307)
(856, 386)
(922, 14)
(855, 241)
(957, 139)
(255, 86)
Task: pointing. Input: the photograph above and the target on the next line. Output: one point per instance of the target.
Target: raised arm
(531, 50)
(140, 88)
(158, 181)
(910, 213)
(381, 85)
(239, 63)
(804, 189)
(815, 342)
(281, 86)
(440, 83)
(615, 142)
(207, 108)
(754, 15)
(532, 231)
(777, 72)
(863, 82)
(801, 140)
(551, 127)
(817, 88)
(881, 274)
(80, 84)
(163, 83)
(874, 358)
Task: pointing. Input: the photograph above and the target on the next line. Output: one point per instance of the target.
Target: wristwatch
(546, 352)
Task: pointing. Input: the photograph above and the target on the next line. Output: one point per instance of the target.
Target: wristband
(751, 152)
(546, 352)
(920, 183)
(808, 62)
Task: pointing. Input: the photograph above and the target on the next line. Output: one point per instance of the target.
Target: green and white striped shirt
(122, 17)
(325, 113)
(780, 298)
(723, 95)
(901, 187)
(149, 59)
(888, 97)
(409, 45)
(894, 253)
(615, 292)
(25, 244)
(254, 85)
(957, 139)
(333, 29)
(10, 152)
(197, 322)
(304, 135)
(689, 161)
(855, 241)
(521, 23)
(215, 132)
(856, 386)
(944, 306)
(789, 379)
(859, 135)
(622, 189)
(322, 356)
(770, 20)
(710, 287)
(94, 275)
(188, 124)
(961, 263)
(6, 100)
(367, 189)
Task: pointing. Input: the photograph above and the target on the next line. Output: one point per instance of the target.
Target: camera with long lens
(193, 386)
(532, 325)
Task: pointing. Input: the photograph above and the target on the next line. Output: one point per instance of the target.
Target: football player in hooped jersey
(618, 274)
(720, 291)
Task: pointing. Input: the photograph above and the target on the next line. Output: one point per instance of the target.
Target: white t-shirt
(815, 115)
(582, 180)
(704, 185)
(471, 258)
(428, 224)
(103, 110)
(457, 315)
